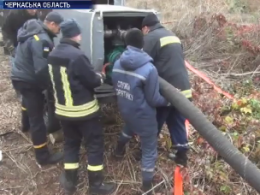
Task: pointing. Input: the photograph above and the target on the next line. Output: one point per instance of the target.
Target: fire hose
(240, 163)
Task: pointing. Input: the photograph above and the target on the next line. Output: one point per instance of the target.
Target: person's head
(150, 20)
(53, 21)
(71, 30)
(134, 37)
(31, 12)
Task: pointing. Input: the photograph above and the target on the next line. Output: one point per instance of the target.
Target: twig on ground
(25, 137)
(6, 133)
(240, 74)
(157, 185)
(15, 162)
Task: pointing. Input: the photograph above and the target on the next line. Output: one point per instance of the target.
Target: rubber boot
(147, 185)
(96, 185)
(69, 181)
(119, 151)
(181, 158)
(44, 157)
(25, 121)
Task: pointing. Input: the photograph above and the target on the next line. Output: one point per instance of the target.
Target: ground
(220, 39)
(19, 172)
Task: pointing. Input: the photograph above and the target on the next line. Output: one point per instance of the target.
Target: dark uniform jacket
(35, 43)
(73, 80)
(166, 50)
(15, 20)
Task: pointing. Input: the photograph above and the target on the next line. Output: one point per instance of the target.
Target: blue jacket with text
(135, 80)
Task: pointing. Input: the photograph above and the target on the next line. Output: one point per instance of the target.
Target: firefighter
(30, 77)
(166, 50)
(74, 80)
(135, 80)
(15, 20)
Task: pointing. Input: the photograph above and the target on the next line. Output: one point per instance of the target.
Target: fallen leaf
(229, 120)
(246, 110)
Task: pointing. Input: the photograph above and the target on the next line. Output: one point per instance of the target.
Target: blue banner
(46, 4)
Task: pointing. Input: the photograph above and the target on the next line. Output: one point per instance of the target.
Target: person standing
(12, 23)
(166, 50)
(135, 80)
(30, 77)
(73, 80)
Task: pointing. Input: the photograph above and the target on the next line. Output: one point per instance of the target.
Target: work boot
(69, 181)
(147, 185)
(181, 158)
(96, 185)
(44, 157)
(119, 151)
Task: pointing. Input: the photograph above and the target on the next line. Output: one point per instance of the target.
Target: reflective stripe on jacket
(73, 80)
(166, 50)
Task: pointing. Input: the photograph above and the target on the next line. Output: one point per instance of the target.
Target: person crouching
(135, 80)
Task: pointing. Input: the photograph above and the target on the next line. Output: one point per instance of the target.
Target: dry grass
(221, 38)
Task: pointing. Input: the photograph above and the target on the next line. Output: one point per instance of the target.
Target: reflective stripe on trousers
(74, 132)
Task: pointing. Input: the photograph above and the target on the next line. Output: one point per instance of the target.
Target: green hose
(111, 59)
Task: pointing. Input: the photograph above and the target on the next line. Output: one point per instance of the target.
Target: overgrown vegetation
(221, 38)
(239, 121)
